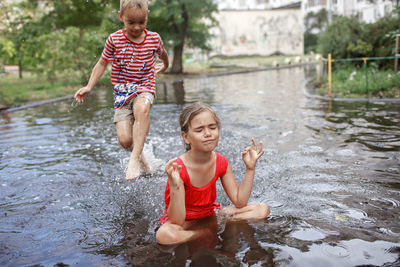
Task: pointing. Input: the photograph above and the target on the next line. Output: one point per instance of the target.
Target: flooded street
(330, 173)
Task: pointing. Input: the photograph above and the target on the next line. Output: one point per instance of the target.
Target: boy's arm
(239, 195)
(165, 60)
(97, 72)
(177, 209)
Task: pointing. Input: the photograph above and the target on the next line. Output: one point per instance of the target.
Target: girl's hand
(172, 169)
(252, 154)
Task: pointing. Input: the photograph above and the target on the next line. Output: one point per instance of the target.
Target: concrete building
(258, 32)
(251, 4)
(365, 10)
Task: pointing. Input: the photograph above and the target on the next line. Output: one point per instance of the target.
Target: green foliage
(340, 38)
(348, 38)
(76, 13)
(182, 23)
(50, 37)
(168, 17)
(359, 48)
(314, 24)
(382, 35)
(65, 50)
(7, 48)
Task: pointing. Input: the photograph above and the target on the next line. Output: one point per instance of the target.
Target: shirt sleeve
(160, 47)
(109, 49)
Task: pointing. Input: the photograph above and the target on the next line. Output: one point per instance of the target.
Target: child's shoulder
(220, 156)
(118, 35)
(221, 160)
(153, 34)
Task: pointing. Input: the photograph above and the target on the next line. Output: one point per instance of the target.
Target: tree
(314, 23)
(182, 23)
(342, 38)
(19, 29)
(77, 13)
(382, 37)
(53, 36)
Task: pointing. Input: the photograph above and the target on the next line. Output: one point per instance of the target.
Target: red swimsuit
(199, 201)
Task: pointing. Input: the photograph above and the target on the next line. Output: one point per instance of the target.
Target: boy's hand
(81, 93)
(160, 68)
(252, 154)
(172, 169)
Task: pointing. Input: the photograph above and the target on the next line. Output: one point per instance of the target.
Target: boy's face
(135, 21)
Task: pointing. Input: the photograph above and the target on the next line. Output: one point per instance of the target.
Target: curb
(38, 103)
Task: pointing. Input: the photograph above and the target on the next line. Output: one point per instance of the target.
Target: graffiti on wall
(263, 32)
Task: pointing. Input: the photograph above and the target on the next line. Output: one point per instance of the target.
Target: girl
(191, 188)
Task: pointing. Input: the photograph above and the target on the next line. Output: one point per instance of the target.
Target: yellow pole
(319, 68)
(396, 54)
(330, 74)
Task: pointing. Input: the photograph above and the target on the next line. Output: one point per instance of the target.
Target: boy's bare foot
(133, 170)
(144, 164)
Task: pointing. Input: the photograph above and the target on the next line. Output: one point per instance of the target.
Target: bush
(340, 38)
(348, 38)
(382, 36)
(351, 82)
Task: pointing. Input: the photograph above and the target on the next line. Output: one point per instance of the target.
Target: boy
(132, 53)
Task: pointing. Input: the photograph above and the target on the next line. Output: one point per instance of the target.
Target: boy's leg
(140, 129)
(123, 120)
(124, 133)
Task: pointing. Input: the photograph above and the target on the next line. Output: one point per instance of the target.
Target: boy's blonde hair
(140, 4)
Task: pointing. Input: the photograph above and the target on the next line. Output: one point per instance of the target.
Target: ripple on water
(383, 203)
(308, 234)
(345, 152)
(336, 251)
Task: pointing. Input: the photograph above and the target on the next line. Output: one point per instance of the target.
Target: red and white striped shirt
(132, 62)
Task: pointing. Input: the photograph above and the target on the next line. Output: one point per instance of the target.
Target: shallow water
(331, 175)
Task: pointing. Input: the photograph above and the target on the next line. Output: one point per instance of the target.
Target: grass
(351, 82)
(34, 87)
(15, 91)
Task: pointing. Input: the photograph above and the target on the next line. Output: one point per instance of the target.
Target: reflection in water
(330, 174)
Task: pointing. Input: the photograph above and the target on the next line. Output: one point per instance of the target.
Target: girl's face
(203, 133)
(135, 21)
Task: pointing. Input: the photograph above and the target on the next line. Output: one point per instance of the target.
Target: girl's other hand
(172, 169)
(252, 154)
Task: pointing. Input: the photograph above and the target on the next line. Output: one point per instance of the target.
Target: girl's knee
(166, 236)
(262, 210)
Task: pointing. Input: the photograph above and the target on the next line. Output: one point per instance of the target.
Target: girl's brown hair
(189, 112)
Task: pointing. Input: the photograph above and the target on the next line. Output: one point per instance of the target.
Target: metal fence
(325, 66)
